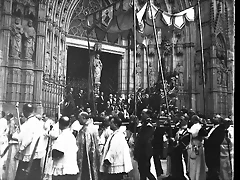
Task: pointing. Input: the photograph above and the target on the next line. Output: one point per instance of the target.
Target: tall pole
(159, 57)
(134, 54)
(135, 59)
(148, 80)
(202, 57)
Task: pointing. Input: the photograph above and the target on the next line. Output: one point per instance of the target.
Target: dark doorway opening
(78, 69)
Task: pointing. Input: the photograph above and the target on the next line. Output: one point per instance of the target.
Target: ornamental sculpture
(97, 69)
(29, 40)
(16, 38)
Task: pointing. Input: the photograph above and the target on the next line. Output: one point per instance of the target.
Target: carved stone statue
(179, 70)
(16, 38)
(97, 69)
(29, 43)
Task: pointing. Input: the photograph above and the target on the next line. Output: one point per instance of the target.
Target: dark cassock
(179, 154)
(212, 151)
(101, 103)
(143, 151)
(69, 105)
(157, 144)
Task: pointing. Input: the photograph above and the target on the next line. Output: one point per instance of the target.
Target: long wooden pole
(159, 57)
(134, 54)
(202, 57)
(135, 59)
(148, 80)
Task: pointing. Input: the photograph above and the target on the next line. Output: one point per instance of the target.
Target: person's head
(102, 114)
(30, 23)
(183, 124)
(9, 116)
(83, 118)
(195, 119)
(108, 103)
(216, 119)
(146, 95)
(102, 93)
(115, 123)
(88, 110)
(110, 96)
(3, 114)
(97, 56)
(27, 110)
(64, 122)
(81, 91)
(146, 113)
(17, 20)
(227, 122)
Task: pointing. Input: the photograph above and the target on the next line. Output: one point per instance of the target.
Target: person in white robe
(196, 157)
(64, 153)
(3, 142)
(116, 161)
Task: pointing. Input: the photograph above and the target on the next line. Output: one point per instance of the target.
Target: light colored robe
(117, 151)
(226, 171)
(88, 155)
(196, 162)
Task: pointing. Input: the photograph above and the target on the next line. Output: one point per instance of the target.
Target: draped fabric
(88, 153)
(111, 21)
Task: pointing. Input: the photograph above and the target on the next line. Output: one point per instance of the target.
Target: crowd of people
(72, 147)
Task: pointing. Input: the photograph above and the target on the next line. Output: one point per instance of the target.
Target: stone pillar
(6, 11)
(40, 56)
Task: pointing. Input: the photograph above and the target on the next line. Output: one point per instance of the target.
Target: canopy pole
(202, 57)
(148, 80)
(90, 83)
(135, 61)
(159, 57)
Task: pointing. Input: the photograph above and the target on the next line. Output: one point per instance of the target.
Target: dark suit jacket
(212, 147)
(70, 108)
(143, 147)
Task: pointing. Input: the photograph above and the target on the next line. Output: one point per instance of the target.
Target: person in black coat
(157, 144)
(143, 148)
(69, 104)
(212, 148)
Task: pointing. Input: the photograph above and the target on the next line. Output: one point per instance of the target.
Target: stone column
(5, 10)
(40, 56)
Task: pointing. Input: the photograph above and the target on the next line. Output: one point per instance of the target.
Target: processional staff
(202, 56)
(135, 59)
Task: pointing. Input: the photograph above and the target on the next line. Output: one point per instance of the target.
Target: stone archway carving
(221, 54)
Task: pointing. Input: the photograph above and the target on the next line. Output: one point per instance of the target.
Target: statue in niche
(29, 43)
(179, 70)
(16, 38)
(97, 64)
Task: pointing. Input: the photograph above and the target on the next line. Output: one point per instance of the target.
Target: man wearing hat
(212, 148)
(143, 151)
(178, 156)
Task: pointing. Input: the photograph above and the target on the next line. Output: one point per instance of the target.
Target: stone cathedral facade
(35, 35)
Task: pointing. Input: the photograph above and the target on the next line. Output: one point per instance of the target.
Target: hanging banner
(118, 18)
